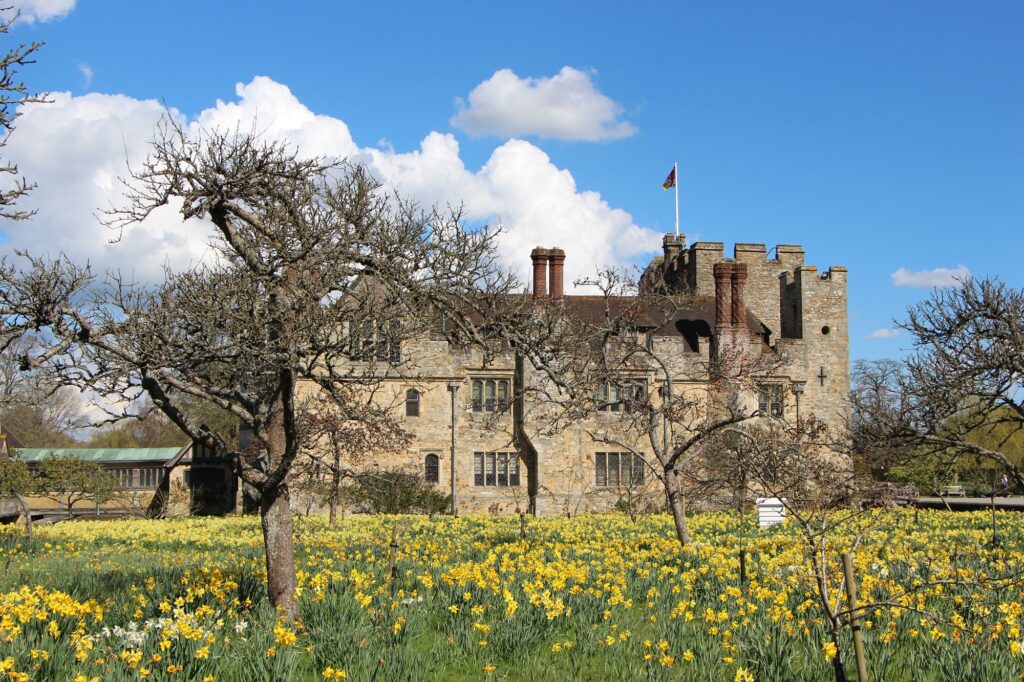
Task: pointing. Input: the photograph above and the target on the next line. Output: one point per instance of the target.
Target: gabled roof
(101, 455)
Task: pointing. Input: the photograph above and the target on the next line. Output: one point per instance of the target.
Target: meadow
(598, 597)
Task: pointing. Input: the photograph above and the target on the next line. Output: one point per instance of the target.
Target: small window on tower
(412, 403)
(431, 468)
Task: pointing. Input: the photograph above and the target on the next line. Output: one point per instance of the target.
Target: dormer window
(375, 340)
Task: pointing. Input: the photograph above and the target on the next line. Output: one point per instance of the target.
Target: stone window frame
(493, 469)
(432, 467)
(490, 395)
(635, 471)
(413, 403)
(771, 398)
(368, 341)
(620, 390)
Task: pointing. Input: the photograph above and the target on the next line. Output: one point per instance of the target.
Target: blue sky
(884, 136)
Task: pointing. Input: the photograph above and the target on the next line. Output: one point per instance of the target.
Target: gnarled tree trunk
(27, 513)
(335, 494)
(677, 504)
(335, 486)
(279, 546)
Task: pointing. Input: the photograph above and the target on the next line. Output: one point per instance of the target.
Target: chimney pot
(539, 256)
(557, 284)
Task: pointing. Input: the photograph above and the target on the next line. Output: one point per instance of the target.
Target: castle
(504, 461)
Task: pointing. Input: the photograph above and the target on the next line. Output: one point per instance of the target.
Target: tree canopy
(303, 252)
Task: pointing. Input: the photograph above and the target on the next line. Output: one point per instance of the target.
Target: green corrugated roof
(99, 454)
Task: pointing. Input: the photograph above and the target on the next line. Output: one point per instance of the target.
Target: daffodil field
(594, 598)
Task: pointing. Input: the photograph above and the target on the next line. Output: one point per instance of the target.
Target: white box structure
(770, 511)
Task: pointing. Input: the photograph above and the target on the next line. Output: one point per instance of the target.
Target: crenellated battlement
(808, 275)
(782, 289)
(790, 255)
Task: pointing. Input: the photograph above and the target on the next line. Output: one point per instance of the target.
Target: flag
(670, 181)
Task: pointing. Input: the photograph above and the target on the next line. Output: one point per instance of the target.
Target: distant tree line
(953, 410)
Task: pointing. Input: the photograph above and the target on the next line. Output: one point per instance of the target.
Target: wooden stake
(851, 596)
(743, 566)
(392, 555)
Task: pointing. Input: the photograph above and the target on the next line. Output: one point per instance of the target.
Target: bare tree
(802, 467)
(627, 365)
(337, 438)
(14, 93)
(315, 275)
(151, 428)
(36, 411)
(961, 392)
(833, 509)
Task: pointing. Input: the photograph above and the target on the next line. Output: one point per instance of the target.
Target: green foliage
(927, 473)
(153, 429)
(930, 470)
(1003, 432)
(151, 432)
(34, 427)
(67, 480)
(15, 478)
(396, 492)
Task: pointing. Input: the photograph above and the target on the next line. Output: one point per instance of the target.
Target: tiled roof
(99, 454)
(691, 309)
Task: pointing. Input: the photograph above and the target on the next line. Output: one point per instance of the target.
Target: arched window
(431, 468)
(412, 403)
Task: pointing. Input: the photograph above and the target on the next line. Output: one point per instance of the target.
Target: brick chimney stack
(723, 300)
(740, 335)
(556, 283)
(739, 302)
(539, 256)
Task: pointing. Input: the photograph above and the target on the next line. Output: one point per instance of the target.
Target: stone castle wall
(794, 301)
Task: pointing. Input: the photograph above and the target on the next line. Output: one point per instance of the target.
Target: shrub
(396, 492)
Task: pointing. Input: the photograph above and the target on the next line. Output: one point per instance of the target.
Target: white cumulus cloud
(77, 147)
(535, 202)
(31, 11)
(927, 279)
(566, 106)
(886, 333)
(277, 113)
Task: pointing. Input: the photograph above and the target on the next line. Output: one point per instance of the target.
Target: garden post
(393, 556)
(851, 595)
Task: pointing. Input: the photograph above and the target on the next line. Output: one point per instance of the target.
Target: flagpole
(675, 172)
